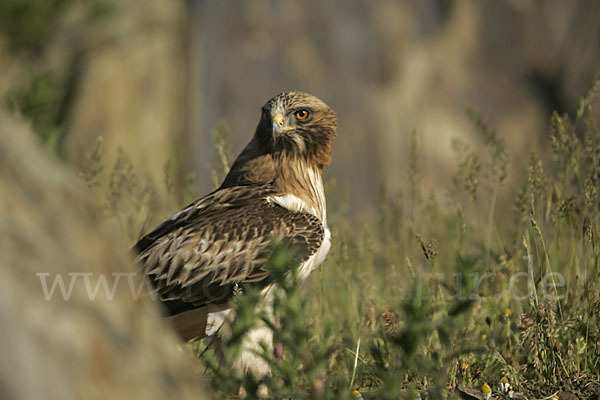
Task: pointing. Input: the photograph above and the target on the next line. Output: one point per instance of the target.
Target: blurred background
(157, 78)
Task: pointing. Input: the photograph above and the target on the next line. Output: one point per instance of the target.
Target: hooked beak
(279, 126)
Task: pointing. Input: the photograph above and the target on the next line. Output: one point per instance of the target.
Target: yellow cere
(279, 119)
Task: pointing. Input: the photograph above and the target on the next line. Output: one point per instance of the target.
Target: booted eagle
(196, 259)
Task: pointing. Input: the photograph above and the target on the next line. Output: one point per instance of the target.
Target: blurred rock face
(129, 87)
(389, 68)
(70, 347)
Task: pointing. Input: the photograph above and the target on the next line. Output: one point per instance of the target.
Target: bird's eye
(302, 115)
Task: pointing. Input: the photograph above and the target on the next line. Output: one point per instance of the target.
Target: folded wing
(199, 255)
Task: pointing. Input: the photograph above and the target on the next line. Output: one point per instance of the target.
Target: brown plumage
(199, 255)
(274, 191)
(256, 163)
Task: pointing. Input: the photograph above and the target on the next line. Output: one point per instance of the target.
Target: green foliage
(40, 102)
(28, 23)
(468, 169)
(497, 145)
(46, 88)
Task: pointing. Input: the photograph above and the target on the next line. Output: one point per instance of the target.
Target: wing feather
(197, 256)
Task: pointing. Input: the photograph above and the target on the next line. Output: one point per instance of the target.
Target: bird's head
(298, 125)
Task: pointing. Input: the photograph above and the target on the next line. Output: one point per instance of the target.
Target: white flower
(504, 385)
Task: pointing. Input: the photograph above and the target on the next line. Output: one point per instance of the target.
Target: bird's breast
(317, 258)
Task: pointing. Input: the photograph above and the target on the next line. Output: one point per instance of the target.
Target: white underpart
(215, 320)
(294, 203)
(317, 258)
(248, 359)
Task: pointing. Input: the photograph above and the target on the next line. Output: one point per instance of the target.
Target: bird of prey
(198, 257)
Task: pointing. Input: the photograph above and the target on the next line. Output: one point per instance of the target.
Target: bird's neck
(253, 166)
(301, 185)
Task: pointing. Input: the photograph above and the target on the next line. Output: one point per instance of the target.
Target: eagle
(198, 258)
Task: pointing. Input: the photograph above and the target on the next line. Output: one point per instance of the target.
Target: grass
(456, 287)
(464, 290)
